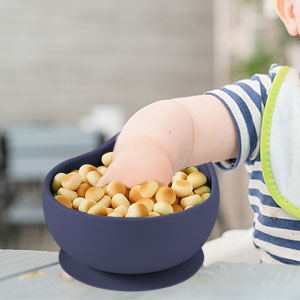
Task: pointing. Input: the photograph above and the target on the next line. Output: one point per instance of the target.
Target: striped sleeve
(245, 101)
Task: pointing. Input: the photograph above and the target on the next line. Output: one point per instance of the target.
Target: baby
(222, 126)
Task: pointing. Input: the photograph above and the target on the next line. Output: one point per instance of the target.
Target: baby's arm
(168, 135)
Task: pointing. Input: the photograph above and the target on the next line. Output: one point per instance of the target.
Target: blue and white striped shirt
(276, 232)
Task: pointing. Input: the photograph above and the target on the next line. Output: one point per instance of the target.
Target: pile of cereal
(78, 190)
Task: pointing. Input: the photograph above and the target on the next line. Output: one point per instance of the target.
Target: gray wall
(59, 58)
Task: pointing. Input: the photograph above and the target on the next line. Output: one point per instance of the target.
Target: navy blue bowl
(128, 245)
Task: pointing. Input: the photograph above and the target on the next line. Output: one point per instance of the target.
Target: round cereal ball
(82, 189)
(64, 201)
(93, 177)
(71, 181)
(179, 176)
(202, 189)
(163, 208)
(190, 200)
(153, 214)
(102, 169)
(119, 199)
(98, 209)
(137, 210)
(110, 210)
(165, 194)
(105, 201)
(196, 179)
(121, 209)
(84, 169)
(94, 193)
(86, 205)
(190, 170)
(115, 214)
(148, 203)
(76, 202)
(182, 188)
(56, 183)
(205, 196)
(135, 194)
(115, 187)
(107, 159)
(177, 208)
(148, 188)
(71, 195)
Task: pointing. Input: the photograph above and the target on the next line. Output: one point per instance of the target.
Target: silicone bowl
(128, 245)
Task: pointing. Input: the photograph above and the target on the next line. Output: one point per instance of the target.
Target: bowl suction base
(131, 282)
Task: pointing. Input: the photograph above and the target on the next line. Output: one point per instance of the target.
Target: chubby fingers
(135, 170)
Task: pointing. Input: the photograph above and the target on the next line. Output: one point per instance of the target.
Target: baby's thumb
(117, 170)
(103, 181)
(107, 177)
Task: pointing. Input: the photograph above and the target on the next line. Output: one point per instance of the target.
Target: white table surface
(222, 280)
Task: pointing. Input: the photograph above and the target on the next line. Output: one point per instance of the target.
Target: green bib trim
(265, 146)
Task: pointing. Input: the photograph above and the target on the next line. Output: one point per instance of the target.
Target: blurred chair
(28, 153)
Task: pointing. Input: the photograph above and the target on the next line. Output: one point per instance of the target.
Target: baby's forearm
(191, 130)
(215, 137)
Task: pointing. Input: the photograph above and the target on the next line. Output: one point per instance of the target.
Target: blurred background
(72, 73)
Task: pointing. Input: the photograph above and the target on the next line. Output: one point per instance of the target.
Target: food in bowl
(78, 190)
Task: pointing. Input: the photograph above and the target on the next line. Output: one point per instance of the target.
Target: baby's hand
(153, 143)
(138, 161)
(169, 135)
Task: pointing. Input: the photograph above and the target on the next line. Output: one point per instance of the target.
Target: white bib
(280, 141)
